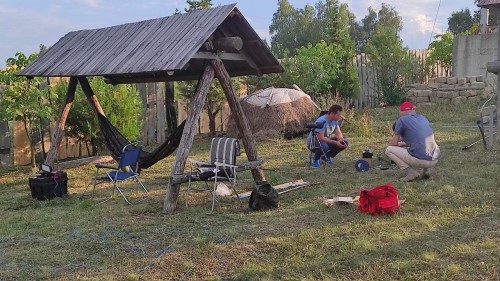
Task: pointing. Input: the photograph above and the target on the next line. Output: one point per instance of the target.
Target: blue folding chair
(128, 169)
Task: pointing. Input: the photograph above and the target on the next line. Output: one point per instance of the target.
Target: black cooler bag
(46, 186)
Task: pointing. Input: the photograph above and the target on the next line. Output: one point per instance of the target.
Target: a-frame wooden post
(91, 97)
(195, 108)
(61, 122)
(239, 117)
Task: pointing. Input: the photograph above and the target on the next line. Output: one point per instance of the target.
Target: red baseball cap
(406, 106)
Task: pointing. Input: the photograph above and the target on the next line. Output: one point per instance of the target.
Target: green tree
(441, 51)
(196, 5)
(336, 19)
(23, 100)
(361, 32)
(389, 57)
(460, 21)
(281, 31)
(121, 103)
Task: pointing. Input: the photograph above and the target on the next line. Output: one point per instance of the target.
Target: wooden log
(195, 108)
(84, 161)
(229, 44)
(91, 98)
(61, 122)
(239, 117)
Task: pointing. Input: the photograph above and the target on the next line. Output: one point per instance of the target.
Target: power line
(434, 25)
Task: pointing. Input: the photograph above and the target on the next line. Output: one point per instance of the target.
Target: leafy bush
(122, 105)
(23, 100)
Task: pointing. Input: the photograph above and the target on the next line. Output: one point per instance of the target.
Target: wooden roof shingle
(156, 50)
(489, 4)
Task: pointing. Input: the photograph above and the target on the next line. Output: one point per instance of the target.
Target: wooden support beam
(242, 51)
(195, 108)
(91, 97)
(239, 117)
(228, 44)
(223, 56)
(61, 122)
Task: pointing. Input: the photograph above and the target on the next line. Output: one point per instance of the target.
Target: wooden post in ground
(239, 117)
(61, 122)
(193, 114)
(92, 99)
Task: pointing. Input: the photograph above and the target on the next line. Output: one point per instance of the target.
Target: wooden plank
(161, 113)
(84, 161)
(4, 135)
(358, 66)
(141, 89)
(364, 80)
(151, 110)
(171, 112)
(279, 187)
(223, 56)
(170, 203)
(371, 77)
(61, 122)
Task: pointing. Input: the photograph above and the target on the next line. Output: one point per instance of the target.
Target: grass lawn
(448, 229)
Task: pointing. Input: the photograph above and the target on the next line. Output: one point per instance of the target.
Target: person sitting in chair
(328, 147)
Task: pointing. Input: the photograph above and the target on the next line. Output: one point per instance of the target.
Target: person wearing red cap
(419, 149)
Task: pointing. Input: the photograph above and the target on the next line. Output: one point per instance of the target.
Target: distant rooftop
(489, 4)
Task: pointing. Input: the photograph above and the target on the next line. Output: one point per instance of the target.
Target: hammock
(115, 142)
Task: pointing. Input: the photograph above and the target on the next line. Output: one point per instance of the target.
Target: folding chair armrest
(198, 163)
(220, 164)
(100, 166)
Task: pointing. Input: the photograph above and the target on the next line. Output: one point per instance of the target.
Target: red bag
(382, 200)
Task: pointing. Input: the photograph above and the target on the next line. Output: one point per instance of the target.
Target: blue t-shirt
(329, 127)
(417, 134)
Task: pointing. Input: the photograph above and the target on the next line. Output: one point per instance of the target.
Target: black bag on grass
(263, 197)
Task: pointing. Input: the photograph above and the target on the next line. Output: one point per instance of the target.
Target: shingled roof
(163, 49)
(489, 4)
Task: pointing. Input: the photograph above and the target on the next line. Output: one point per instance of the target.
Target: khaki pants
(404, 160)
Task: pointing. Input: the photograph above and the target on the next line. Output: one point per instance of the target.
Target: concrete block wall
(446, 90)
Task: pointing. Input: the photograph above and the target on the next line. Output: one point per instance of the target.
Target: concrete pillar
(484, 20)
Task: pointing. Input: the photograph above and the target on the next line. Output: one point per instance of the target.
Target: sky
(25, 24)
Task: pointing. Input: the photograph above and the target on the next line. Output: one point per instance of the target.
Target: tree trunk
(195, 108)
(29, 134)
(61, 122)
(239, 117)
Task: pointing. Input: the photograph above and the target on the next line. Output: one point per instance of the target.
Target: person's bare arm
(396, 140)
(323, 138)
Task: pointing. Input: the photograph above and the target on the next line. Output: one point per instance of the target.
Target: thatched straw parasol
(276, 111)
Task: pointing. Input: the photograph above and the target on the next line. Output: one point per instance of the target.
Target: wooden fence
(154, 130)
(370, 95)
